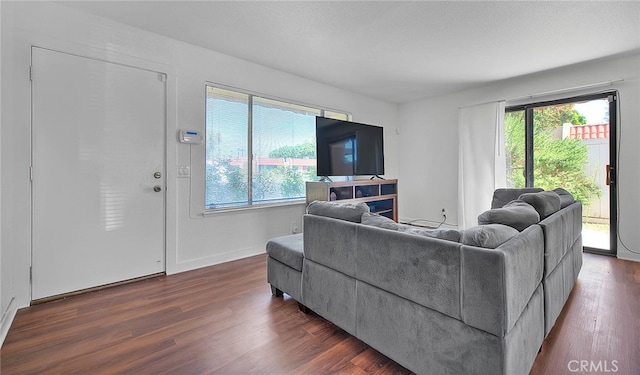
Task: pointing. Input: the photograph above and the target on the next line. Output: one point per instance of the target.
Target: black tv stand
(375, 175)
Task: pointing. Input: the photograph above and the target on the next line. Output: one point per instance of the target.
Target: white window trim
(260, 204)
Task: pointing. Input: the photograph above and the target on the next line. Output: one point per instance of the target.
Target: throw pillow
(443, 234)
(566, 198)
(504, 196)
(545, 202)
(379, 221)
(343, 211)
(488, 236)
(516, 214)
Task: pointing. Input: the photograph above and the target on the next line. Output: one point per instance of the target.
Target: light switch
(184, 171)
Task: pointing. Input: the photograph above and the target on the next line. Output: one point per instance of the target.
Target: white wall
(429, 139)
(192, 240)
(8, 306)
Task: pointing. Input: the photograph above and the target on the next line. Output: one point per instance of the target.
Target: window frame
(528, 124)
(252, 203)
(613, 98)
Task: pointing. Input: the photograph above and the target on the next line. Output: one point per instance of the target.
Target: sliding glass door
(569, 143)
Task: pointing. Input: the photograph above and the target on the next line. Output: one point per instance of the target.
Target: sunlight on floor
(595, 235)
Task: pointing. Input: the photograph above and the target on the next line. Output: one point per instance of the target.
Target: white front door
(98, 170)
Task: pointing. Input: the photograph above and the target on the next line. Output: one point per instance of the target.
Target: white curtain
(481, 163)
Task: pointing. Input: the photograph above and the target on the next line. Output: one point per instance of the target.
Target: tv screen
(345, 148)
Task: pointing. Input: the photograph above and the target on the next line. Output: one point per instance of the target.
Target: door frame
(126, 61)
(612, 96)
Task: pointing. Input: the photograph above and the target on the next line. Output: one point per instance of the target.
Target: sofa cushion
(488, 236)
(287, 250)
(504, 196)
(516, 214)
(379, 221)
(565, 197)
(545, 202)
(443, 234)
(338, 210)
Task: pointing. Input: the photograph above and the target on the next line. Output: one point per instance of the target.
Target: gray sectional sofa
(475, 301)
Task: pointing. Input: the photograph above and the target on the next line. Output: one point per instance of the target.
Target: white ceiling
(391, 50)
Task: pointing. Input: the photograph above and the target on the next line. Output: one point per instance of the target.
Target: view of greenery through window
(570, 149)
(558, 161)
(258, 150)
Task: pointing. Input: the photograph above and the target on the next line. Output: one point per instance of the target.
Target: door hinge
(163, 77)
(31, 173)
(30, 72)
(30, 274)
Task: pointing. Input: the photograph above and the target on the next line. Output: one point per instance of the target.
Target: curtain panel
(481, 162)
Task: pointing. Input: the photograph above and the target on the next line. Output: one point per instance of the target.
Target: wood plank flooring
(598, 330)
(223, 320)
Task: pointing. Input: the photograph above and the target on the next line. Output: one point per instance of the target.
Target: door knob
(157, 175)
(157, 188)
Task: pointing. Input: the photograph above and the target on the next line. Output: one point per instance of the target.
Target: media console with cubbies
(380, 195)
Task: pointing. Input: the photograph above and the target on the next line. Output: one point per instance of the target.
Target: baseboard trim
(212, 260)
(7, 318)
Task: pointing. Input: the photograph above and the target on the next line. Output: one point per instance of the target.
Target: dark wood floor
(223, 320)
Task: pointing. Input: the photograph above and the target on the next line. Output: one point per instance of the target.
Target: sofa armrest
(561, 230)
(497, 284)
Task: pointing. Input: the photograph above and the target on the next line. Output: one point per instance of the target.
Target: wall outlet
(294, 228)
(444, 213)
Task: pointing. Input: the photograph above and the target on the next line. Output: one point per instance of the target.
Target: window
(543, 147)
(258, 150)
(515, 147)
(569, 143)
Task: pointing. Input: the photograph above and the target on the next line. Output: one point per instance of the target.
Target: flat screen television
(345, 148)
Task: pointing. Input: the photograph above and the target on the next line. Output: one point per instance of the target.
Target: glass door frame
(612, 97)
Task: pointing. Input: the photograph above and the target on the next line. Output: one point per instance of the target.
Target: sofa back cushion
(331, 242)
(504, 196)
(422, 269)
(338, 210)
(516, 214)
(565, 197)
(545, 202)
(441, 233)
(488, 236)
(379, 221)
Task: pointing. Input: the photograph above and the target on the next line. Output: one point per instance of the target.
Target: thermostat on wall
(190, 136)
